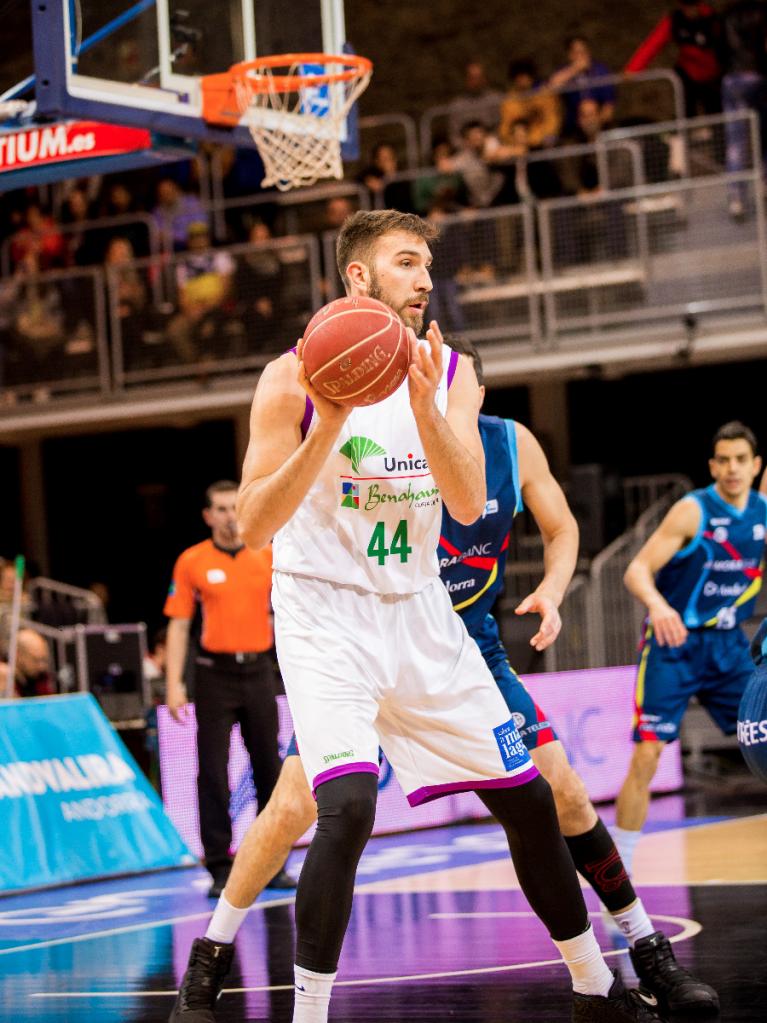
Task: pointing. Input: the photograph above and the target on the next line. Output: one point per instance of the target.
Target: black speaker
(110, 662)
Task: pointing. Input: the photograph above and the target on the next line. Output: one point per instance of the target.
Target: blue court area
(439, 929)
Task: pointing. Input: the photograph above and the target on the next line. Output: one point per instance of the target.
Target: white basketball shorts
(362, 669)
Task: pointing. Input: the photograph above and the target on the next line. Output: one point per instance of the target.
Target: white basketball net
(298, 134)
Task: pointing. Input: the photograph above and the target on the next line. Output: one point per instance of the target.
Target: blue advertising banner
(74, 804)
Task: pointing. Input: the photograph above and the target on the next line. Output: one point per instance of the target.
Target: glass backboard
(139, 61)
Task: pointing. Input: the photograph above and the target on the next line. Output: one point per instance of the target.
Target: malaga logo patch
(350, 494)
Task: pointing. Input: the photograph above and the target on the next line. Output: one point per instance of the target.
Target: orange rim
(243, 73)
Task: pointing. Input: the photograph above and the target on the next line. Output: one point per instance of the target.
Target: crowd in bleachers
(176, 297)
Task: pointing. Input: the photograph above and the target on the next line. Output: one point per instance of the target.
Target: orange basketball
(356, 351)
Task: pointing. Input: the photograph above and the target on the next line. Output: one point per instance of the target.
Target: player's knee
(573, 804)
(348, 804)
(296, 808)
(528, 802)
(645, 760)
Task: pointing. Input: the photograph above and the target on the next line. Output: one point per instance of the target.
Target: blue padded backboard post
(50, 51)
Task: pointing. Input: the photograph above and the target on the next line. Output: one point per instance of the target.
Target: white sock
(634, 922)
(225, 921)
(626, 843)
(583, 958)
(312, 995)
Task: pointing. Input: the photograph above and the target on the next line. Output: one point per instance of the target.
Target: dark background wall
(122, 506)
(419, 48)
(664, 422)
(10, 505)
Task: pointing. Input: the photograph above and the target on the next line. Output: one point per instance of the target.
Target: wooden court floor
(439, 931)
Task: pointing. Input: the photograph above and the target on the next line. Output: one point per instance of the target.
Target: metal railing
(640, 492)
(398, 130)
(580, 268)
(614, 615)
(287, 213)
(484, 250)
(57, 604)
(610, 260)
(618, 163)
(692, 147)
(97, 227)
(571, 649)
(594, 589)
(62, 662)
(228, 310)
(55, 338)
(624, 83)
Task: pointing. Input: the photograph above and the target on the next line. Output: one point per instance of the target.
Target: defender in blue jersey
(698, 576)
(472, 560)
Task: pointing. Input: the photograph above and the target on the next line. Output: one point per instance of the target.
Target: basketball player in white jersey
(369, 647)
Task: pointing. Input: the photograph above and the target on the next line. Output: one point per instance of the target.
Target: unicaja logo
(405, 464)
(357, 448)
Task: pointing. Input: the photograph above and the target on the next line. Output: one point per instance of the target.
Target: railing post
(547, 272)
(102, 341)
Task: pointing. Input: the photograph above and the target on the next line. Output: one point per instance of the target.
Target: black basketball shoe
(209, 963)
(676, 989)
(620, 1005)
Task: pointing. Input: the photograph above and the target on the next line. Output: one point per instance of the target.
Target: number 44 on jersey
(377, 547)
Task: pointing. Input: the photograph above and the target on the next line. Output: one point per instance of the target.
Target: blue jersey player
(698, 576)
(472, 560)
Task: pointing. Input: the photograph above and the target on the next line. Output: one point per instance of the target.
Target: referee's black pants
(226, 693)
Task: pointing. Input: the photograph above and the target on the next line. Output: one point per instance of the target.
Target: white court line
(145, 926)
(689, 929)
(366, 887)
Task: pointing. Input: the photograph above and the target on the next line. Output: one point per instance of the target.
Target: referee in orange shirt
(234, 678)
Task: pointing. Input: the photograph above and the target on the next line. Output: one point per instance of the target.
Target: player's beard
(408, 316)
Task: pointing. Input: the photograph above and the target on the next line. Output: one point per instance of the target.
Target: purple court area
(116, 950)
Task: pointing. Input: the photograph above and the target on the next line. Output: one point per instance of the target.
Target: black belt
(227, 660)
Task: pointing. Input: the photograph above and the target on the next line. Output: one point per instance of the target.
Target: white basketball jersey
(372, 517)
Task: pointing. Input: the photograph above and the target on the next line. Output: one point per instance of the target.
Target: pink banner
(590, 710)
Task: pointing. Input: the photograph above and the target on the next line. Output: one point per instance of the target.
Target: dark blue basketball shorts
(712, 664)
(533, 725)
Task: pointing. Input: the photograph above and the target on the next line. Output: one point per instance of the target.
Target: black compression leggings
(346, 811)
(346, 808)
(541, 858)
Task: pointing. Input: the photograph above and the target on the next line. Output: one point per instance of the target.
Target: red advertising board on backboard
(68, 140)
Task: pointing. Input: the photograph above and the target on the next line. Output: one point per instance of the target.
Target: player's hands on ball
(425, 371)
(667, 625)
(551, 623)
(330, 412)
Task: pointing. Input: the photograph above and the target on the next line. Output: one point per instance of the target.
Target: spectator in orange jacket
(696, 29)
(529, 100)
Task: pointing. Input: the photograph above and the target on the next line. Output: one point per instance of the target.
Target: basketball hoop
(295, 106)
